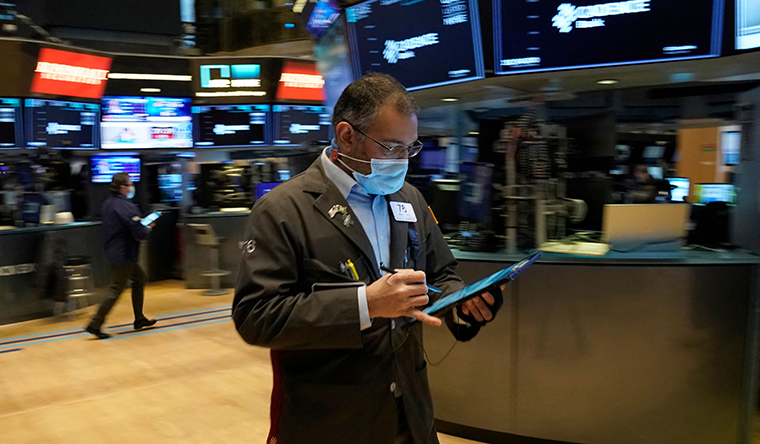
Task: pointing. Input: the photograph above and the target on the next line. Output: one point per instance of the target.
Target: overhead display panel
(421, 43)
(300, 124)
(146, 122)
(61, 125)
(10, 124)
(542, 35)
(234, 80)
(747, 24)
(66, 73)
(300, 81)
(231, 125)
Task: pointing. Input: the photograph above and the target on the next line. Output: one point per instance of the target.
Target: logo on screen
(70, 74)
(298, 128)
(399, 50)
(569, 16)
(222, 130)
(56, 129)
(162, 132)
(230, 76)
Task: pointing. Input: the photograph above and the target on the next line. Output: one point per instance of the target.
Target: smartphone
(149, 219)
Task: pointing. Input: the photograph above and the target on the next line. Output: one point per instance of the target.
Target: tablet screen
(500, 277)
(149, 219)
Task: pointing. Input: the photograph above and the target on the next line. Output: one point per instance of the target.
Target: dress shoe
(144, 322)
(96, 331)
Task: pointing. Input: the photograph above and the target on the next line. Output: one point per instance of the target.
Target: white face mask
(131, 193)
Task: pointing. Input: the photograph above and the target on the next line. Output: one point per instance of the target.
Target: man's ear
(344, 136)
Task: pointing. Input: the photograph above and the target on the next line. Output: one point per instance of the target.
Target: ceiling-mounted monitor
(61, 125)
(104, 167)
(231, 125)
(543, 35)
(10, 124)
(747, 24)
(300, 124)
(146, 122)
(421, 43)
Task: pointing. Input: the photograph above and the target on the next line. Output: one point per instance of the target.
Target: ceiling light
(607, 82)
(449, 99)
(136, 76)
(150, 90)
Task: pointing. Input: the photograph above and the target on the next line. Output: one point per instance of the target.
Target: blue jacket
(122, 229)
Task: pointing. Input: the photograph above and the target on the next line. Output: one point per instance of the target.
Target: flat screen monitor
(300, 124)
(653, 153)
(543, 35)
(231, 125)
(263, 188)
(10, 124)
(730, 147)
(747, 24)
(146, 122)
(705, 193)
(656, 172)
(61, 125)
(431, 159)
(421, 43)
(170, 186)
(475, 192)
(104, 167)
(679, 188)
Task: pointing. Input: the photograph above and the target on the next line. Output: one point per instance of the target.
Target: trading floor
(190, 379)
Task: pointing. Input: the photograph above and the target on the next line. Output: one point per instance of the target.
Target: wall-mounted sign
(231, 76)
(65, 73)
(300, 81)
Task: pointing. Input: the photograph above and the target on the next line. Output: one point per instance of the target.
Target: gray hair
(362, 99)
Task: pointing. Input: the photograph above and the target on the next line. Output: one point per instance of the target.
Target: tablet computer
(502, 276)
(149, 219)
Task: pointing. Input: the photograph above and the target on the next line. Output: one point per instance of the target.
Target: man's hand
(398, 294)
(477, 308)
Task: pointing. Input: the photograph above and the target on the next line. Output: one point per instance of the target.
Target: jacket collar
(317, 182)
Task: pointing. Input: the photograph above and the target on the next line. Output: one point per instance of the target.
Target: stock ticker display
(539, 35)
(422, 44)
(231, 125)
(61, 125)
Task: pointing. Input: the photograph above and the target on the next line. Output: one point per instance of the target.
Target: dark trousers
(120, 274)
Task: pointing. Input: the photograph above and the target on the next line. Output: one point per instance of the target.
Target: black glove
(498, 301)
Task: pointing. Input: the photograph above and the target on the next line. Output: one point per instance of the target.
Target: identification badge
(403, 212)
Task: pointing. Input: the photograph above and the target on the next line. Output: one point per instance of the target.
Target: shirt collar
(342, 181)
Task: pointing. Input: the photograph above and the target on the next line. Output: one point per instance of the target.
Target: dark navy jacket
(122, 229)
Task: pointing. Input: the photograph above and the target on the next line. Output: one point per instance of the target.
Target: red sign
(66, 73)
(301, 81)
(162, 132)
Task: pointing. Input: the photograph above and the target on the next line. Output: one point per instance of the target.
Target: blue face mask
(131, 193)
(387, 175)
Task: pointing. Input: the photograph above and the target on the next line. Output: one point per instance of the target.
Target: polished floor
(190, 379)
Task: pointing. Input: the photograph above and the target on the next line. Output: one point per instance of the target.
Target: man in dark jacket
(123, 232)
(313, 284)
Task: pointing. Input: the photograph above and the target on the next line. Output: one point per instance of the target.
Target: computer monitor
(656, 172)
(263, 188)
(679, 188)
(730, 147)
(637, 225)
(475, 192)
(170, 186)
(705, 193)
(653, 153)
(445, 203)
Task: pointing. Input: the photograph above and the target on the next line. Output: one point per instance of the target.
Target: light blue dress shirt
(372, 213)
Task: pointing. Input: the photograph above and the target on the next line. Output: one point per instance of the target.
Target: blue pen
(430, 287)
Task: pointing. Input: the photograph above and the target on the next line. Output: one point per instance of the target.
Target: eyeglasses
(398, 150)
